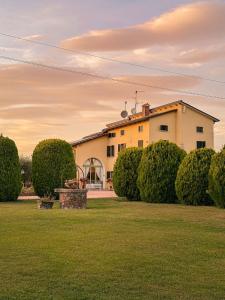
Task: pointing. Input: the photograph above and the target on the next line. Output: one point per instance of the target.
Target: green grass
(113, 250)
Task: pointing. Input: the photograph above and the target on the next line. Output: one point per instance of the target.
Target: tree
(125, 173)
(158, 171)
(52, 164)
(217, 179)
(192, 178)
(10, 176)
(26, 169)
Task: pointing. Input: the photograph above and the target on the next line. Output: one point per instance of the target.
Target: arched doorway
(93, 172)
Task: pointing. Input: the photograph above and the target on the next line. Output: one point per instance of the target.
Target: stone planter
(45, 203)
(72, 198)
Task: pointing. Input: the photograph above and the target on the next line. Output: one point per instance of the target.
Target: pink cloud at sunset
(194, 23)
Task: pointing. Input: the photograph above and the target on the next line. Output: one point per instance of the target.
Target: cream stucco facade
(177, 122)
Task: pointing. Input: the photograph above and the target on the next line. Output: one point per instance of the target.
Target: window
(163, 127)
(199, 129)
(93, 171)
(111, 134)
(121, 147)
(140, 128)
(109, 174)
(140, 143)
(122, 132)
(201, 144)
(110, 151)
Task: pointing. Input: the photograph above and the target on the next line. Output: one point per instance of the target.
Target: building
(177, 122)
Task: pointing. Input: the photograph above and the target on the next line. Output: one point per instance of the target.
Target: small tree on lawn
(10, 174)
(125, 173)
(217, 179)
(192, 178)
(158, 171)
(52, 164)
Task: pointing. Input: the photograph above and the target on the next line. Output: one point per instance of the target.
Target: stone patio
(90, 195)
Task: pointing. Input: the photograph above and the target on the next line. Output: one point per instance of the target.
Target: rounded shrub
(217, 179)
(158, 171)
(10, 173)
(125, 173)
(52, 164)
(192, 178)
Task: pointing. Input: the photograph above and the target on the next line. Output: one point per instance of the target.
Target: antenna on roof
(134, 109)
(124, 112)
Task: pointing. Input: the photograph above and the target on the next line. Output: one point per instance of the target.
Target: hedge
(52, 163)
(217, 179)
(158, 171)
(125, 173)
(192, 178)
(10, 172)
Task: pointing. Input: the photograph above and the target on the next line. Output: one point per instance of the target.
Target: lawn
(113, 250)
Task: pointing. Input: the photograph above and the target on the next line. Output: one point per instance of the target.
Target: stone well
(72, 198)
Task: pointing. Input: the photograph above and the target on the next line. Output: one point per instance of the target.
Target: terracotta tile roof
(88, 138)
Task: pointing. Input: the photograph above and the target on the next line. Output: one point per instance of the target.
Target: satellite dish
(133, 110)
(124, 114)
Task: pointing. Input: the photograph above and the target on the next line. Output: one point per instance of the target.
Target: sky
(36, 103)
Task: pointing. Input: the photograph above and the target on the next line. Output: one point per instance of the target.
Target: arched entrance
(93, 172)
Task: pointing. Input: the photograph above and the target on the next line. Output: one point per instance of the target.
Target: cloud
(199, 56)
(35, 37)
(197, 23)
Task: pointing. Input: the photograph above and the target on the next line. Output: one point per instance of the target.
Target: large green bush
(217, 179)
(52, 163)
(10, 173)
(158, 171)
(192, 178)
(125, 173)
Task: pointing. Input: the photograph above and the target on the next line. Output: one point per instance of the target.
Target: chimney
(145, 110)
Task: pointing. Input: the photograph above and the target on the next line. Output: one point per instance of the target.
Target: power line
(111, 59)
(109, 78)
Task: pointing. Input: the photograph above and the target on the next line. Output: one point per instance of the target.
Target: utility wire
(110, 59)
(109, 78)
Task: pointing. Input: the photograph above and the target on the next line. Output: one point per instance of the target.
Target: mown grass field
(113, 250)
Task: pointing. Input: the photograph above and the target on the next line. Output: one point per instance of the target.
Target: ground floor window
(140, 144)
(201, 144)
(121, 147)
(109, 174)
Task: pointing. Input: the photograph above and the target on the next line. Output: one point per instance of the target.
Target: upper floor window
(140, 128)
(140, 143)
(121, 147)
(110, 151)
(164, 128)
(200, 129)
(201, 144)
(122, 132)
(111, 134)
